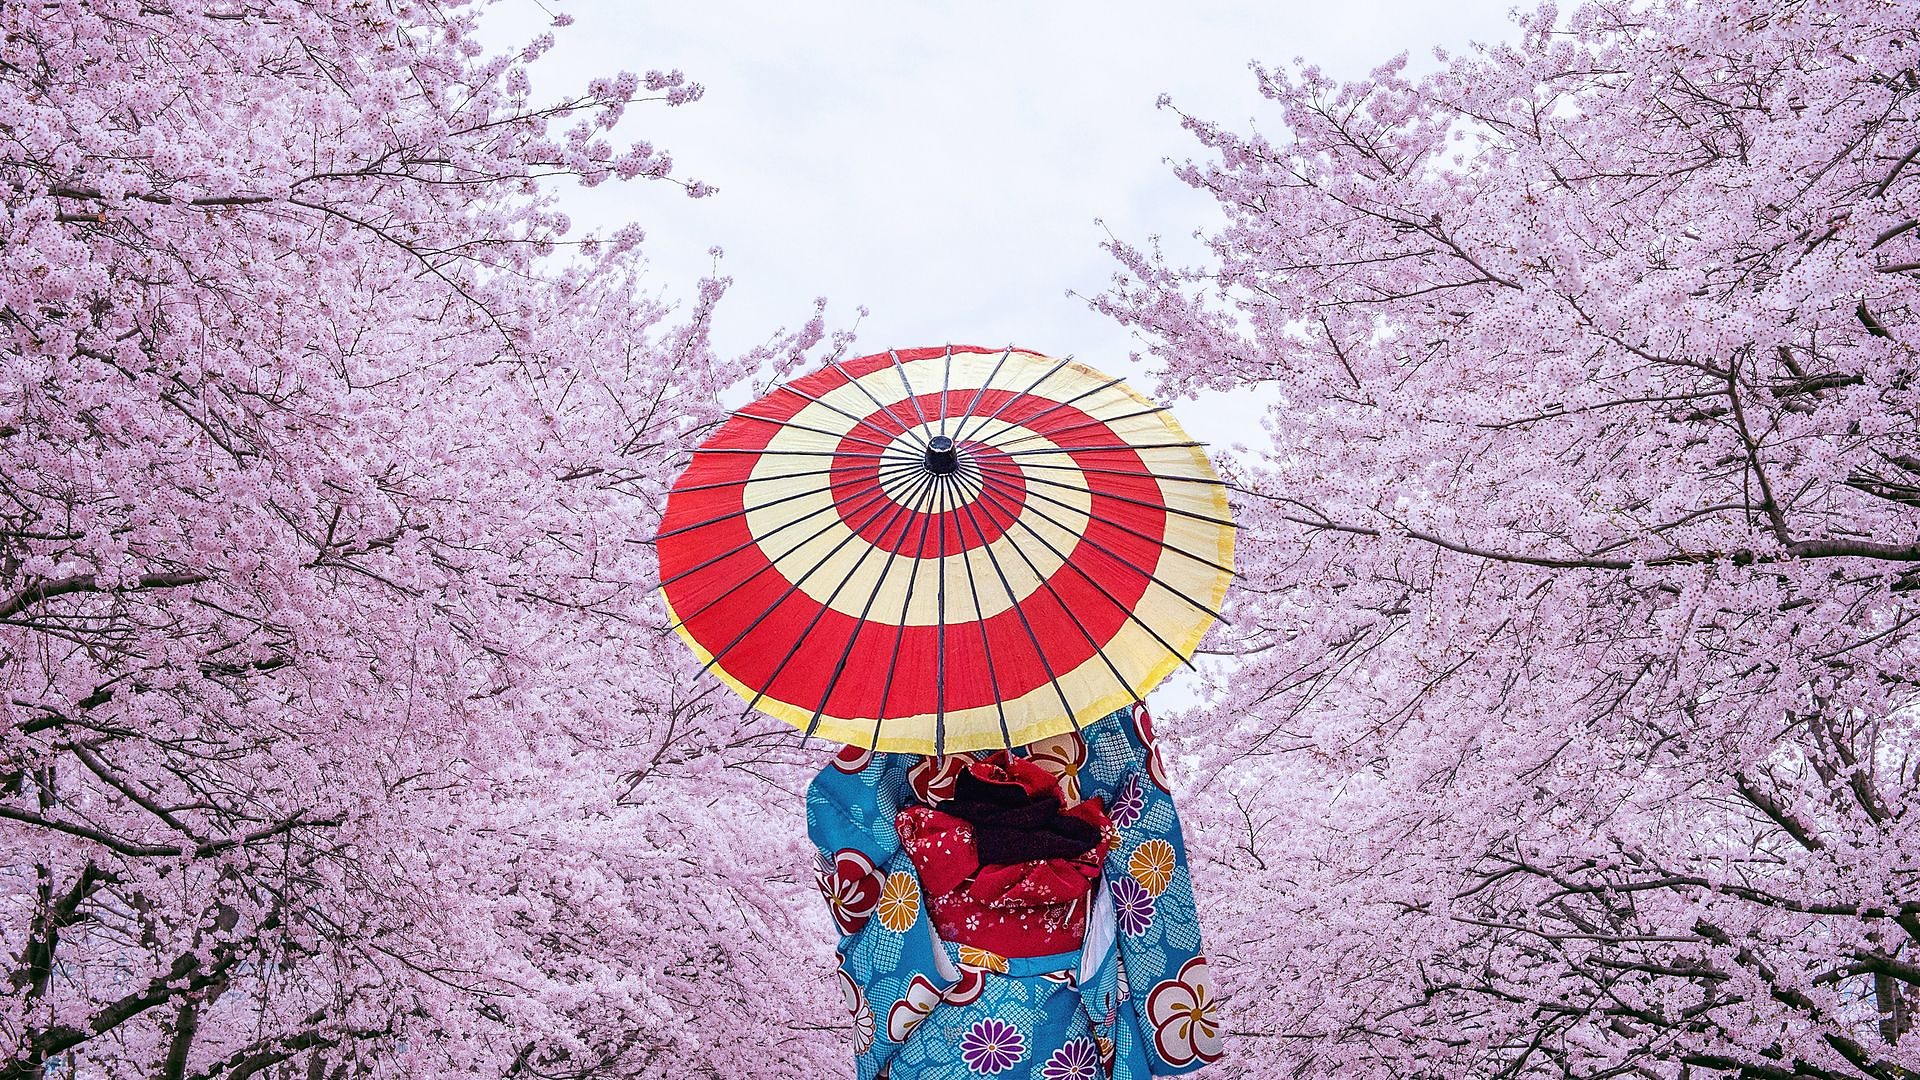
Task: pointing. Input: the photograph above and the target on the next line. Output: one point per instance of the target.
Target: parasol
(939, 550)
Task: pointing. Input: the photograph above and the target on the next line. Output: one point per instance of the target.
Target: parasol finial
(942, 458)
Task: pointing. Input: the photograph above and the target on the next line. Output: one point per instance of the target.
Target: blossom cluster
(1567, 715)
(328, 458)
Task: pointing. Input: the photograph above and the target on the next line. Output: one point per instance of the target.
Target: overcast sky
(943, 164)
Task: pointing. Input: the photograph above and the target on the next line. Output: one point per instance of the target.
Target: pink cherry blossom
(340, 734)
(1565, 722)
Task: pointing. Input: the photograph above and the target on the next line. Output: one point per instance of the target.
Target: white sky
(943, 163)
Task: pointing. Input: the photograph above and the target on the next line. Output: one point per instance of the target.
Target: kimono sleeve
(892, 968)
(1164, 988)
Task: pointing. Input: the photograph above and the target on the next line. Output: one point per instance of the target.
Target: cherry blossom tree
(1569, 727)
(337, 733)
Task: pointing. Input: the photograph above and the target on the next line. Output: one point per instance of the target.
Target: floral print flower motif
(906, 1014)
(852, 888)
(857, 1008)
(1143, 723)
(1106, 1047)
(1078, 1060)
(1062, 755)
(1157, 770)
(1132, 906)
(982, 959)
(973, 982)
(852, 759)
(932, 778)
(1152, 865)
(1186, 1016)
(992, 1046)
(1127, 804)
(899, 902)
(1065, 976)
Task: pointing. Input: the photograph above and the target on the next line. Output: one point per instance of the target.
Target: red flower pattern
(1062, 755)
(852, 759)
(1143, 723)
(852, 888)
(1186, 1016)
(972, 982)
(932, 778)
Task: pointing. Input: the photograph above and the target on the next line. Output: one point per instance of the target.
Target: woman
(1015, 915)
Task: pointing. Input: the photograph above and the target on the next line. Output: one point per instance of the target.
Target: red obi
(1033, 907)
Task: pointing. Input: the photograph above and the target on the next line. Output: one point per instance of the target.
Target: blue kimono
(1134, 1002)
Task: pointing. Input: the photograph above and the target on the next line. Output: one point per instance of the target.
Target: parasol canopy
(939, 550)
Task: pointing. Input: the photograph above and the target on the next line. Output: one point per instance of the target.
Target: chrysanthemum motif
(1132, 906)
(899, 902)
(992, 1046)
(982, 959)
(1127, 803)
(1151, 865)
(1078, 1060)
(857, 1009)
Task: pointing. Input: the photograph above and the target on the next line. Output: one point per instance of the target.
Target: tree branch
(80, 583)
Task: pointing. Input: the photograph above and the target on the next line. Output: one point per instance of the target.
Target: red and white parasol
(939, 550)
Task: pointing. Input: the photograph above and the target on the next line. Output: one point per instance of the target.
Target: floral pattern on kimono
(1136, 1001)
